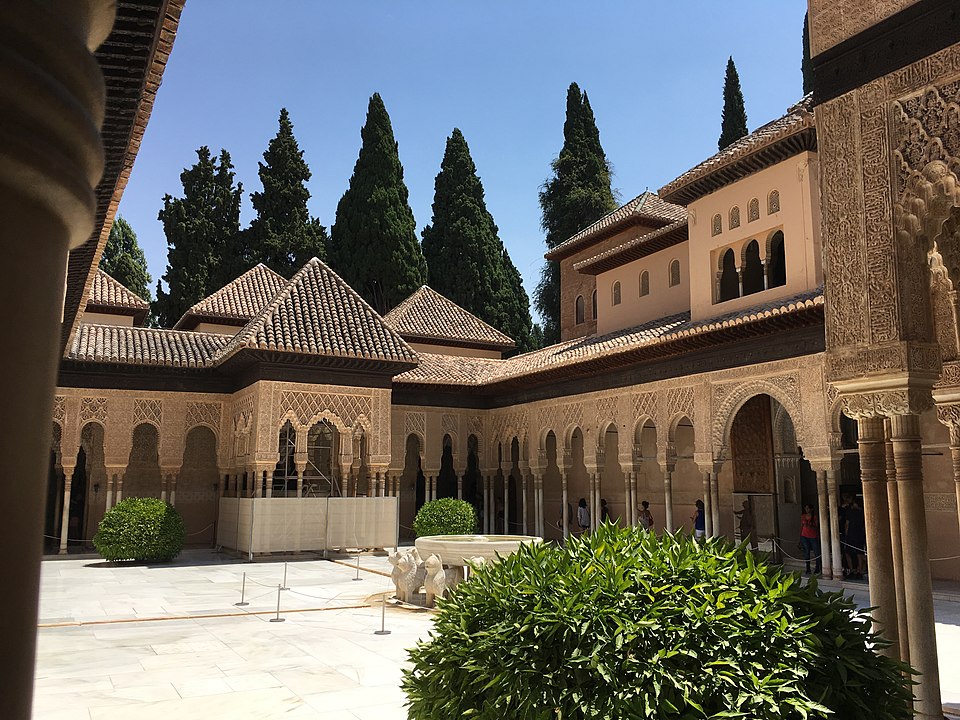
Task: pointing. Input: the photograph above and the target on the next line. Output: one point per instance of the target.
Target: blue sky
(497, 69)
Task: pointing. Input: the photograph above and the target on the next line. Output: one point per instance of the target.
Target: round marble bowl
(458, 549)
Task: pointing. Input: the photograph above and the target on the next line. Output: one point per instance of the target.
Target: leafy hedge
(145, 529)
(623, 624)
(446, 516)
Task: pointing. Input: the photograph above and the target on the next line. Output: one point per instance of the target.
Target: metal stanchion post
(358, 567)
(278, 618)
(285, 578)
(243, 590)
(383, 616)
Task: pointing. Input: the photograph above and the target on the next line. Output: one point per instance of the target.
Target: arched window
(285, 474)
(773, 202)
(594, 304)
(717, 226)
(579, 309)
(729, 282)
(644, 283)
(753, 210)
(752, 269)
(735, 217)
(674, 273)
(616, 293)
(777, 265)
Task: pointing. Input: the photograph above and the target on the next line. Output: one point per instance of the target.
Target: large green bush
(624, 624)
(446, 516)
(143, 529)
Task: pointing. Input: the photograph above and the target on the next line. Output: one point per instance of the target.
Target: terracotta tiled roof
(144, 346)
(445, 370)
(429, 316)
(634, 249)
(647, 207)
(241, 300)
(771, 143)
(107, 292)
(318, 314)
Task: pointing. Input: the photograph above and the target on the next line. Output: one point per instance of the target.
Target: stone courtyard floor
(167, 641)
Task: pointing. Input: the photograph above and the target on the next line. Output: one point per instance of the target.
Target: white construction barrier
(265, 525)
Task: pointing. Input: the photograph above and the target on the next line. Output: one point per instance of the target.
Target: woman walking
(810, 538)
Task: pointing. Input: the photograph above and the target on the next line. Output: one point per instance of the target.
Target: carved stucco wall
(833, 21)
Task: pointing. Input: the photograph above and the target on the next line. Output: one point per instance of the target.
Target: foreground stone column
(826, 524)
(707, 505)
(506, 503)
(905, 435)
(835, 548)
(459, 486)
(565, 506)
(873, 471)
(715, 500)
(668, 499)
(65, 516)
(525, 515)
(896, 546)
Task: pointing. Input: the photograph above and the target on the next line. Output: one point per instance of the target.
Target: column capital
(898, 400)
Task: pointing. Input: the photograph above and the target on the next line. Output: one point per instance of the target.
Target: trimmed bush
(625, 624)
(144, 529)
(446, 516)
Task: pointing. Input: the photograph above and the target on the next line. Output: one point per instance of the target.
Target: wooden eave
(634, 219)
(457, 343)
(739, 168)
(132, 60)
(245, 357)
(633, 250)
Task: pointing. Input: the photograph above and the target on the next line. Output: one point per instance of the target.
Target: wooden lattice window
(753, 210)
(717, 226)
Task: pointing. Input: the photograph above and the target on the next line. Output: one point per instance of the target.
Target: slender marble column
(668, 500)
(905, 433)
(835, 549)
(826, 524)
(506, 504)
(109, 496)
(955, 456)
(487, 505)
(707, 506)
(524, 490)
(627, 514)
(65, 516)
(459, 487)
(715, 500)
(565, 508)
(896, 546)
(873, 471)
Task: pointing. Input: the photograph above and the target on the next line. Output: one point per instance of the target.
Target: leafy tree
(734, 122)
(283, 236)
(577, 195)
(466, 260)
(124, 261)
(373, 242)
(536, 337)
(203, 233)
(805, 66)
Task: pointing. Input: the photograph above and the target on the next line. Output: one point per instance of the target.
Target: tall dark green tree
(733, 125)
(124, 261)
(373, 243)
(202, 230)
(283, 236)
(805, 66)
(577, 195)
(466, 260)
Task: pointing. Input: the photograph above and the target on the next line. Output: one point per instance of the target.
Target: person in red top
(810, 537)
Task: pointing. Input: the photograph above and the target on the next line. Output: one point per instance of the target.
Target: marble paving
(121, 643)
(168, 642)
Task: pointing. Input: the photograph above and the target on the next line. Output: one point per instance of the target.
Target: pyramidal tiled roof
(429, 316)
(789, 134)
(647, 206)
(145, 346)
(317, 313)
(241, 300)
(107, 292)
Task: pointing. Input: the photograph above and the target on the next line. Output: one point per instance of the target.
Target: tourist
(810, 538)
(604, 511)
(645, 516)
(748, 524)
(856, 539)
(699, 521)
(583, 516)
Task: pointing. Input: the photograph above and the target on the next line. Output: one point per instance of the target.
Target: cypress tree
(805, 66)
(202, 230)
(124, 261)
(373, 242)
(577, 195)
(466, 260)
(283, 236)
(733, 125)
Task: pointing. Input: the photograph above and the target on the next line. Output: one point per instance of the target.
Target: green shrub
(446, 516)
(625, 624)
(143, 529)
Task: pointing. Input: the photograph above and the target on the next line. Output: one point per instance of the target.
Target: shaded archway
(53, 517)
(552, 491)
(752, 269)
(686, 480)
(447, 477)
(777, 264)
(611, 482)
(322, 473)
(198, 486)
(649, 476)
(413, 485)
(285, 473)
(729, 285)
(472, 487)
(578, 484)
(143, 477)
(513, 522)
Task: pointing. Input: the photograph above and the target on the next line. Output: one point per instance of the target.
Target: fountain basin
(458, 550)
